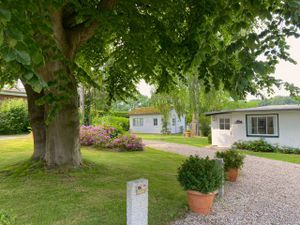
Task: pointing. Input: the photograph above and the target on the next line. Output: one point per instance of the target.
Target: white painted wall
(289, 129)
(148, 126)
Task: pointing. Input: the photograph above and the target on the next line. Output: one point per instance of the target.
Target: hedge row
(14, 117)
(262, 145)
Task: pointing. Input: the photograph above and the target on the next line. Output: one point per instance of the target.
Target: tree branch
(82, 32)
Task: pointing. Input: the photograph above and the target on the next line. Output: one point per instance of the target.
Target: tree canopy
(52, 46)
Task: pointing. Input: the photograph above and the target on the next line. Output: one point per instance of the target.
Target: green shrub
(257, 146)
(232, 159)
(14, 117)
(120, 123)
(288, 150)
(202, 175)
(209, 138)
(6, 219)
(262, 146)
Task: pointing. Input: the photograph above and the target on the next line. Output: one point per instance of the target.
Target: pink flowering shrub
(96, 135)
(126, 143)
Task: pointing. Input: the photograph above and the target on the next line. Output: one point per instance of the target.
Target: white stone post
(137, 202)
(221, 189)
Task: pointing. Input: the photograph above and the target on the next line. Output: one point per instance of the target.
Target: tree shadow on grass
(32, 167)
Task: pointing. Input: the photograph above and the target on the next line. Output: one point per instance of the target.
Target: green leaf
(37, 58)
(8, 54)
(15, 34)
(5, 14)
(1, 37)
(28, 76)
(23, 57)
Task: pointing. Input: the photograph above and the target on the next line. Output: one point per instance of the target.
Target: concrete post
(221, 190)
(137, 202)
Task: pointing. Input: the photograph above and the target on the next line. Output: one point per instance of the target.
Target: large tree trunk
(62, 145)
(37, 122)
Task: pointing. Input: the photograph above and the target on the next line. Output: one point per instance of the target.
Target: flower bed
(110, 138)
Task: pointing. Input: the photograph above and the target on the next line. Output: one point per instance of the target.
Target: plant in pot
(188, 133)
(233, 161)
(200, 177)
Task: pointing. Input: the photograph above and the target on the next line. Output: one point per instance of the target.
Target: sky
(284, 70)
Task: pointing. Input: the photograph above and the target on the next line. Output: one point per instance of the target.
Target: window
(155, 122)
(173, 121)
(224, 124)
(262, 125)
(138, 122)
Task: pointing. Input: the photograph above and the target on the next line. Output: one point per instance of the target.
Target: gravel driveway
(267, 192)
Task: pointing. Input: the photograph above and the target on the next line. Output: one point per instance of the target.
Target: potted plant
(200, 177)
(233, 161)
(188, 133)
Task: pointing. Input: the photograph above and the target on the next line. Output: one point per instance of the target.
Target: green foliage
(209, 138)
(198, 174)
(120, 123)
(5, 218)
(13, 117)
(279, 100)
(232, 159)
(262, 145)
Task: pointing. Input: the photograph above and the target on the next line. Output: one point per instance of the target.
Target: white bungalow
(149, 120)
(277, 124)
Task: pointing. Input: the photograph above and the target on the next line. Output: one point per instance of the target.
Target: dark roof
(258, 109)
(144, 111)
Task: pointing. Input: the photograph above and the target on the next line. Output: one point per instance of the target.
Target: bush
(202, 175)
(288, 150)
(257, 146)
(209, 138)
(232, 159)
(262, 146)
(96, 135)
(120, 123)
(6, 219)
(126, 143)
(14, 117)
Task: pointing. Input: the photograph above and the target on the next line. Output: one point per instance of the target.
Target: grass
(177, 138)
(292, 158)
(92, 195)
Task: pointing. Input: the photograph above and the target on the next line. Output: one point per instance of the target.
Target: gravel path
(267, 192)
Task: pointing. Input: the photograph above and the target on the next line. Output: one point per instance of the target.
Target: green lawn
(180, 139)
(95, 194)
(293, 158)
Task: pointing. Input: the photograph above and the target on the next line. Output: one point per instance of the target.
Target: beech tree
(49, 45)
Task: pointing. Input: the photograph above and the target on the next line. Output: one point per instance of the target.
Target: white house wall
(289, 129)
(148, 126)
(179, 125)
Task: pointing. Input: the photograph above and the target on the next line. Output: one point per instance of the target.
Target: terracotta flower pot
(232, 174)
(188, 134)
(199, 202)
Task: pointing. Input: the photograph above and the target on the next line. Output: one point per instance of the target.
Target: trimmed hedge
(262, 145)
(14, 117)
(120, 123)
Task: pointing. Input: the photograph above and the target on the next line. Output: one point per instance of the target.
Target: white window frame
(225, 122)
(249, 125)
(137, 122)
